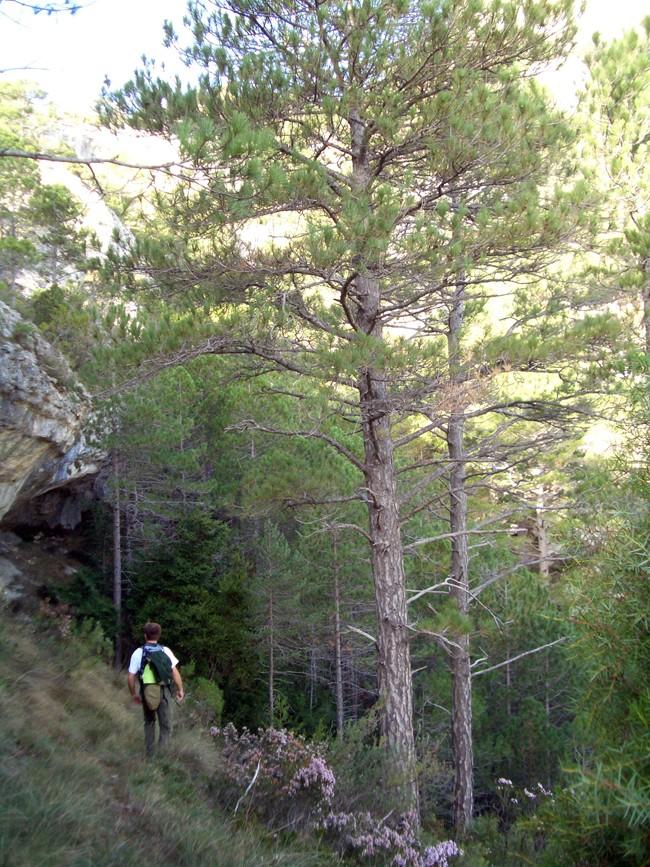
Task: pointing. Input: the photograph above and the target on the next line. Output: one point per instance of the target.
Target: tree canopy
(351, 341)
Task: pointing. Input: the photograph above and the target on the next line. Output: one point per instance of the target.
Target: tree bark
(271, 662)
(394, 658)
(542, 535)
(547, 709)
(117, 561)
(338, 664)
(461, 703)
(312, 673)
(387, 555)
(354, 684)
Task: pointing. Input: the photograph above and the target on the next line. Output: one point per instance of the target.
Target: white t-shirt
(136, 659)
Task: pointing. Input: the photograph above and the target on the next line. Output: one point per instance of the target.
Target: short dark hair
(152, 631)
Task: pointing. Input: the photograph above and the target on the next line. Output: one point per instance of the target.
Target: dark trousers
(164, 714)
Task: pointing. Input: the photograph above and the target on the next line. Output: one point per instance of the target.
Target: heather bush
(384, 842)
(280, 776)
(287, 781)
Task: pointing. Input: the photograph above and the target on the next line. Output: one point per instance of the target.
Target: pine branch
(325, 501)
(251, 424)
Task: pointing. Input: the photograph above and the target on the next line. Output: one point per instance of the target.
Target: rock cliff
(42, 412)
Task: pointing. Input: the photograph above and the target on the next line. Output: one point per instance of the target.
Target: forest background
(369, 363)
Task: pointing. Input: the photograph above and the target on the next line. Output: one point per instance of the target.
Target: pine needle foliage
(411, 156)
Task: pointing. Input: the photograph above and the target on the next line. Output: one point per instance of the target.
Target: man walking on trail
(155, 667)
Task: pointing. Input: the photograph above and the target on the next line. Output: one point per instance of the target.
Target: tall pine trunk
(387, 555)
(543, 551)
(461, 704)
(117, 561)
(338, 662)
(394, 658)
(271, 683)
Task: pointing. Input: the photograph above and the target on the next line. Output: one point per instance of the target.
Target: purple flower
(439, 855)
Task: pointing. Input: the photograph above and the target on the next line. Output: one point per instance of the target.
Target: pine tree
(615, 108)
(405, 147)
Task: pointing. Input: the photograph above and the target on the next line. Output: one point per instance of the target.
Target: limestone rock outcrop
(42, 412)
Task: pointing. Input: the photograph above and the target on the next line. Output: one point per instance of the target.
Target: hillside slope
(75, 790)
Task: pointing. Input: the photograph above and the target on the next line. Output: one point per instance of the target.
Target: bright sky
(70, 55)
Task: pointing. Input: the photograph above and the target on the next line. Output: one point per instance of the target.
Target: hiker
(155, 667)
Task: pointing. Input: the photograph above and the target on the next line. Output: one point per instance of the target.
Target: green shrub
(207, 699)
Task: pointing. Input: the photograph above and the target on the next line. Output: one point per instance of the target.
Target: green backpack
(155, 672)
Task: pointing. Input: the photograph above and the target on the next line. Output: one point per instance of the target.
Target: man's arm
(180, 692)
(132, 679)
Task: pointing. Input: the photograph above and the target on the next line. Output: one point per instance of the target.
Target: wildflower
(504, 782)
(530, 794)
(438, 855)
(316, 772)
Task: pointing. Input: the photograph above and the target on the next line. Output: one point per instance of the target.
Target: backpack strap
(143, 661)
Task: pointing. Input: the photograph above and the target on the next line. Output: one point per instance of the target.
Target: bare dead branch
(250, 785)
(501, 575)
(439, 637)
(325, 501)
(361, 632)
(88, 161)
(519, 656)
(442, 536)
